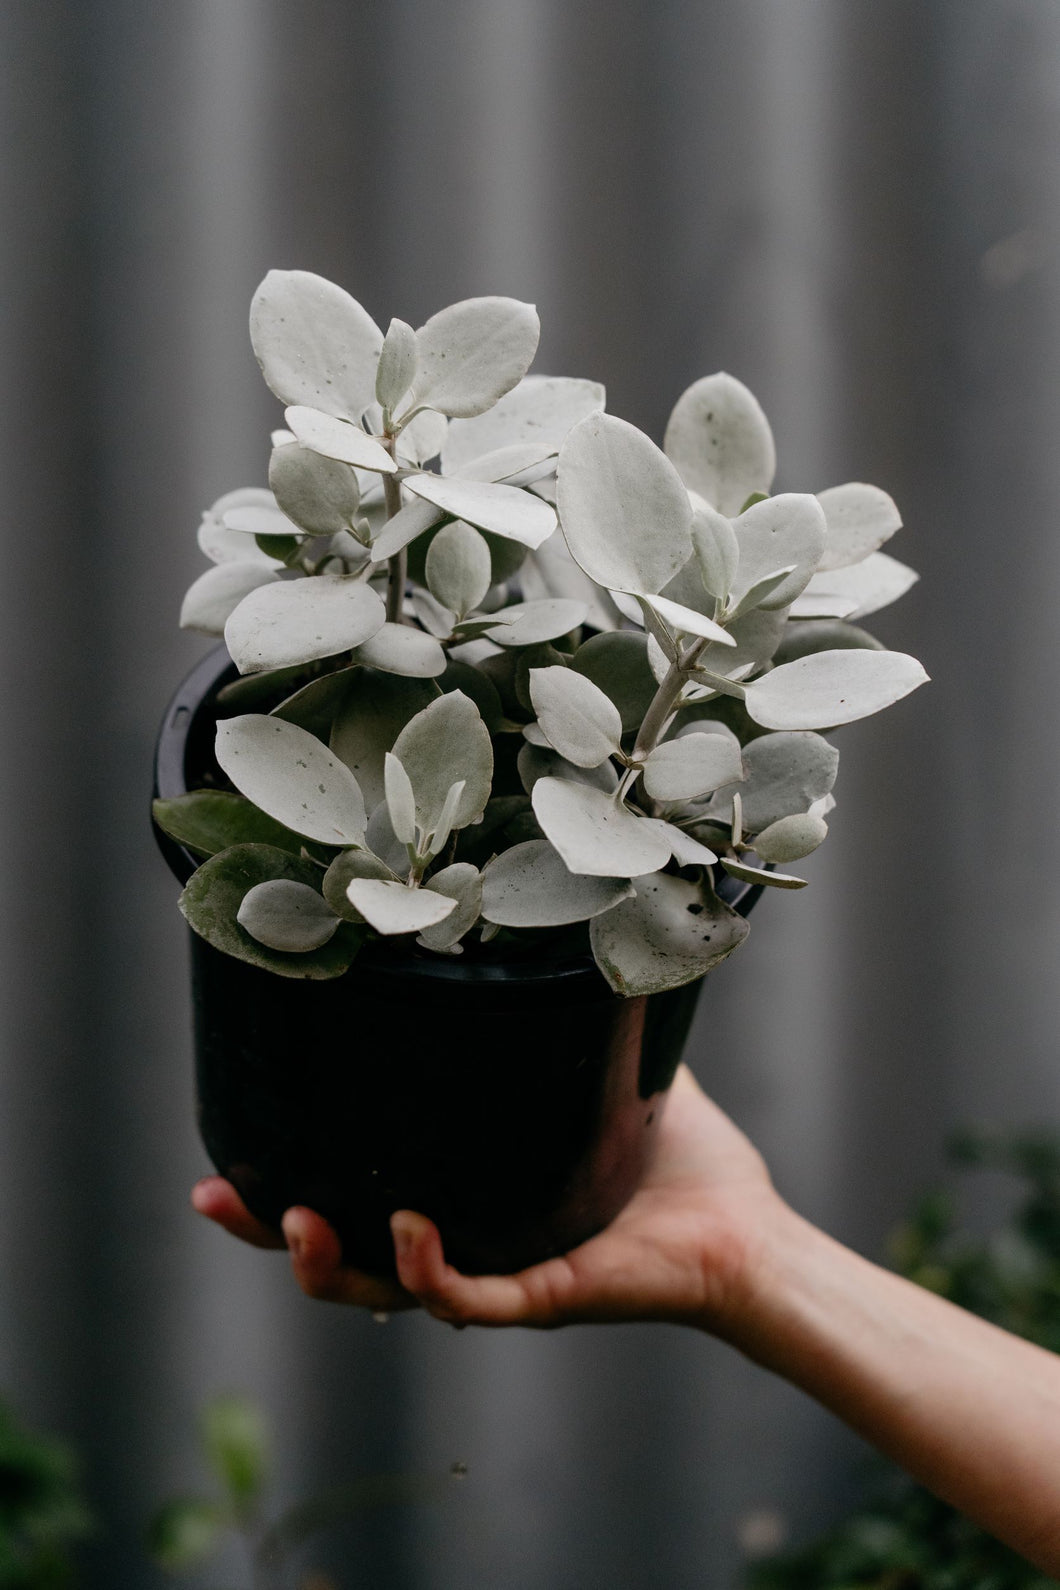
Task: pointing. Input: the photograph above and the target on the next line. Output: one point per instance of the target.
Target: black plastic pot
(514, 1103)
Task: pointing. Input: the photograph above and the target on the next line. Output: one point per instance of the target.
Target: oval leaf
(460, 882)
(532, 623)
(783, 532)
(315, 343)
(472, 353)
(594, 834)
(350, 864)
(716, 548)
(400, 649)
(785, 774)
(687, 621)
(579, 721)
(341, 439)
(395, 908)
(397, 365)
(285, 915)
(541, 408)
(670, 933)
(400, 802)
(209, 820)
(298, 621)
(530, 886)
(293, 777)
(618, 664)
(442, 745)
(832, 687)
(680, 769)
(375, 709)
(505, 510)
(458, 568)
(857, 591)
(320, 494)
(410, 521)
(215, 595)
(721, 443)
(860, 519)
(791, 838)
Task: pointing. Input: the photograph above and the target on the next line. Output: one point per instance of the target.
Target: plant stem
(398, 564)
(665, 700)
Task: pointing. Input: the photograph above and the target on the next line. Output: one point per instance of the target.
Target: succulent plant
(508, 666)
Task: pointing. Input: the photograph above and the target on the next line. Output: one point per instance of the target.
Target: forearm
(970, 1411)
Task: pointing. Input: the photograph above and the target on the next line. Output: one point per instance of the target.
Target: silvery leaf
(222, 545)
(396, 370)
(686, 851)
(315, 344)
(758, 594)
(314, 706)
(400, 649)
(446, 821)
(443, 744)
(857, 591)
(580, 722)
(625, 515)
(860, 519)
(530, 886)
(791, 838)
(717, 551)
(292, 777)
(690, 765)
(341, 439)
(384, 843)
(395, 908)
(595, 834)
(782, 531)
(460, 882)
(215, 595)
(436, 619)
(505, 510)
(831, 687)
(822, 807)
(458, 568)
(658, 661)
(540, 409)
(551, 571)
(280, 437)
(785, 774)
(421, 439)
(410, 521)
(534, 735)
(215, 892)
(298, 621)
(686, 620)
(473, 352)
(618, 664)
(521, 461)
(285, 915)
(319, 494)
(260, 519)
(534, 762)
(375, 709)
(531, 623)
(670, 933)
(721, 443)
(400, 801)
(350, 864)
(757, 635)
(775, 880)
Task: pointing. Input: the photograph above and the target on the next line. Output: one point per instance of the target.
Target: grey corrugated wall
(851, 204)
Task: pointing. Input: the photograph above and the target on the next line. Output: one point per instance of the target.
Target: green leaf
(473, 352)
(531, 886)
(748, 874)
(236, 1442)
(400, 649)
(441, 745)
(292, 777)
(214, 894)
(482, 691)
(375, 709)
(784, 531)
(350, 864)
(214, 596)
(316, 705)
(320, 494)
(288, 916)
(617, 663)
(672, 932)
(458, 568)
(691, 765)
(860, 519)
(791, 838)
(785, 774)
(540, 409)
(857, 591)
(395, 908)
(209, 820)
(315, 343)
(624, 513)
(299, 621)
(460, 882)
(185, 1532)
(339, 439)
(720, 441)
(832, 687)
(400, 801)
(532, 623)
(579, 721)
(488, 505)
(595, 834)
(398, 361)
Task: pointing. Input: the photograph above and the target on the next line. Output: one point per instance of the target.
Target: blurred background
(853, 206)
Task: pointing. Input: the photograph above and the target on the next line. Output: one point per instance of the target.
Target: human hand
(685, 1248)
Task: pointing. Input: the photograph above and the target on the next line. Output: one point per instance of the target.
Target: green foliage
(904, 1538)
(42, 1511)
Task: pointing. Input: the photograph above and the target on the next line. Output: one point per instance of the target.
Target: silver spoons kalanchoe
(508, 666)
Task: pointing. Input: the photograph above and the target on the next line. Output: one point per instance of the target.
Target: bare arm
(971, 1411)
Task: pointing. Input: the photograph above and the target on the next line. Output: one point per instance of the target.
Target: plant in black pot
(517, 715)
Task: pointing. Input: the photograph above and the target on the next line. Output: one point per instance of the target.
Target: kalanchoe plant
(508, 666)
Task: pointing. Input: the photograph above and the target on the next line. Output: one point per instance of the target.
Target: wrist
(761, 1280)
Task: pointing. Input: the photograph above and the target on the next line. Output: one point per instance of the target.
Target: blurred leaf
(184, 1532)
(236, 1442)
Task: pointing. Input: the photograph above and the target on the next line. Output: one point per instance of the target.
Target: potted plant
(517, 716)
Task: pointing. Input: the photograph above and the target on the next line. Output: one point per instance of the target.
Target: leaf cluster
(522, 668)
(904, 1538)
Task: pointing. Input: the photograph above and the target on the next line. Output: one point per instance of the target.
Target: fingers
(316, 1259)
(218, 1200)
(529, 1298)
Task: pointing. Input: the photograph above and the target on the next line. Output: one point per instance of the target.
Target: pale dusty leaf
(443, 744)
(531, 623)
(400, 649)
(290, 775)
(534, 762)
(824, 634)
(757, 595)
(505, 510)
(384, 843)
(436, 619)
(721, 443)
(458, 568)
(319, 494)
(395, 908)
(785, 774)
(522, 462)
(473, 352)
(783, 531)
(855, 592)
(540, 409)
(717, 551)
(396, 370)
(832, 687)
(410, 521)
(375, 708)
(596, 835)
(579, 721)
(687, 851)
(222, 545)
(215, 595)
(460, 882)
(400, 801)
(350, 864)
(533, 733)
(685, 620)
(260, 521)
(285, 915)
(670, 933)
(531, 886)
(775, 880)
(691, 765)
(297, 621)
(551, 572)
(860, 519)
(447, 819)
(421, 439)
(625, 515)
(791, 838)
(340, 439)
(315, 344)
